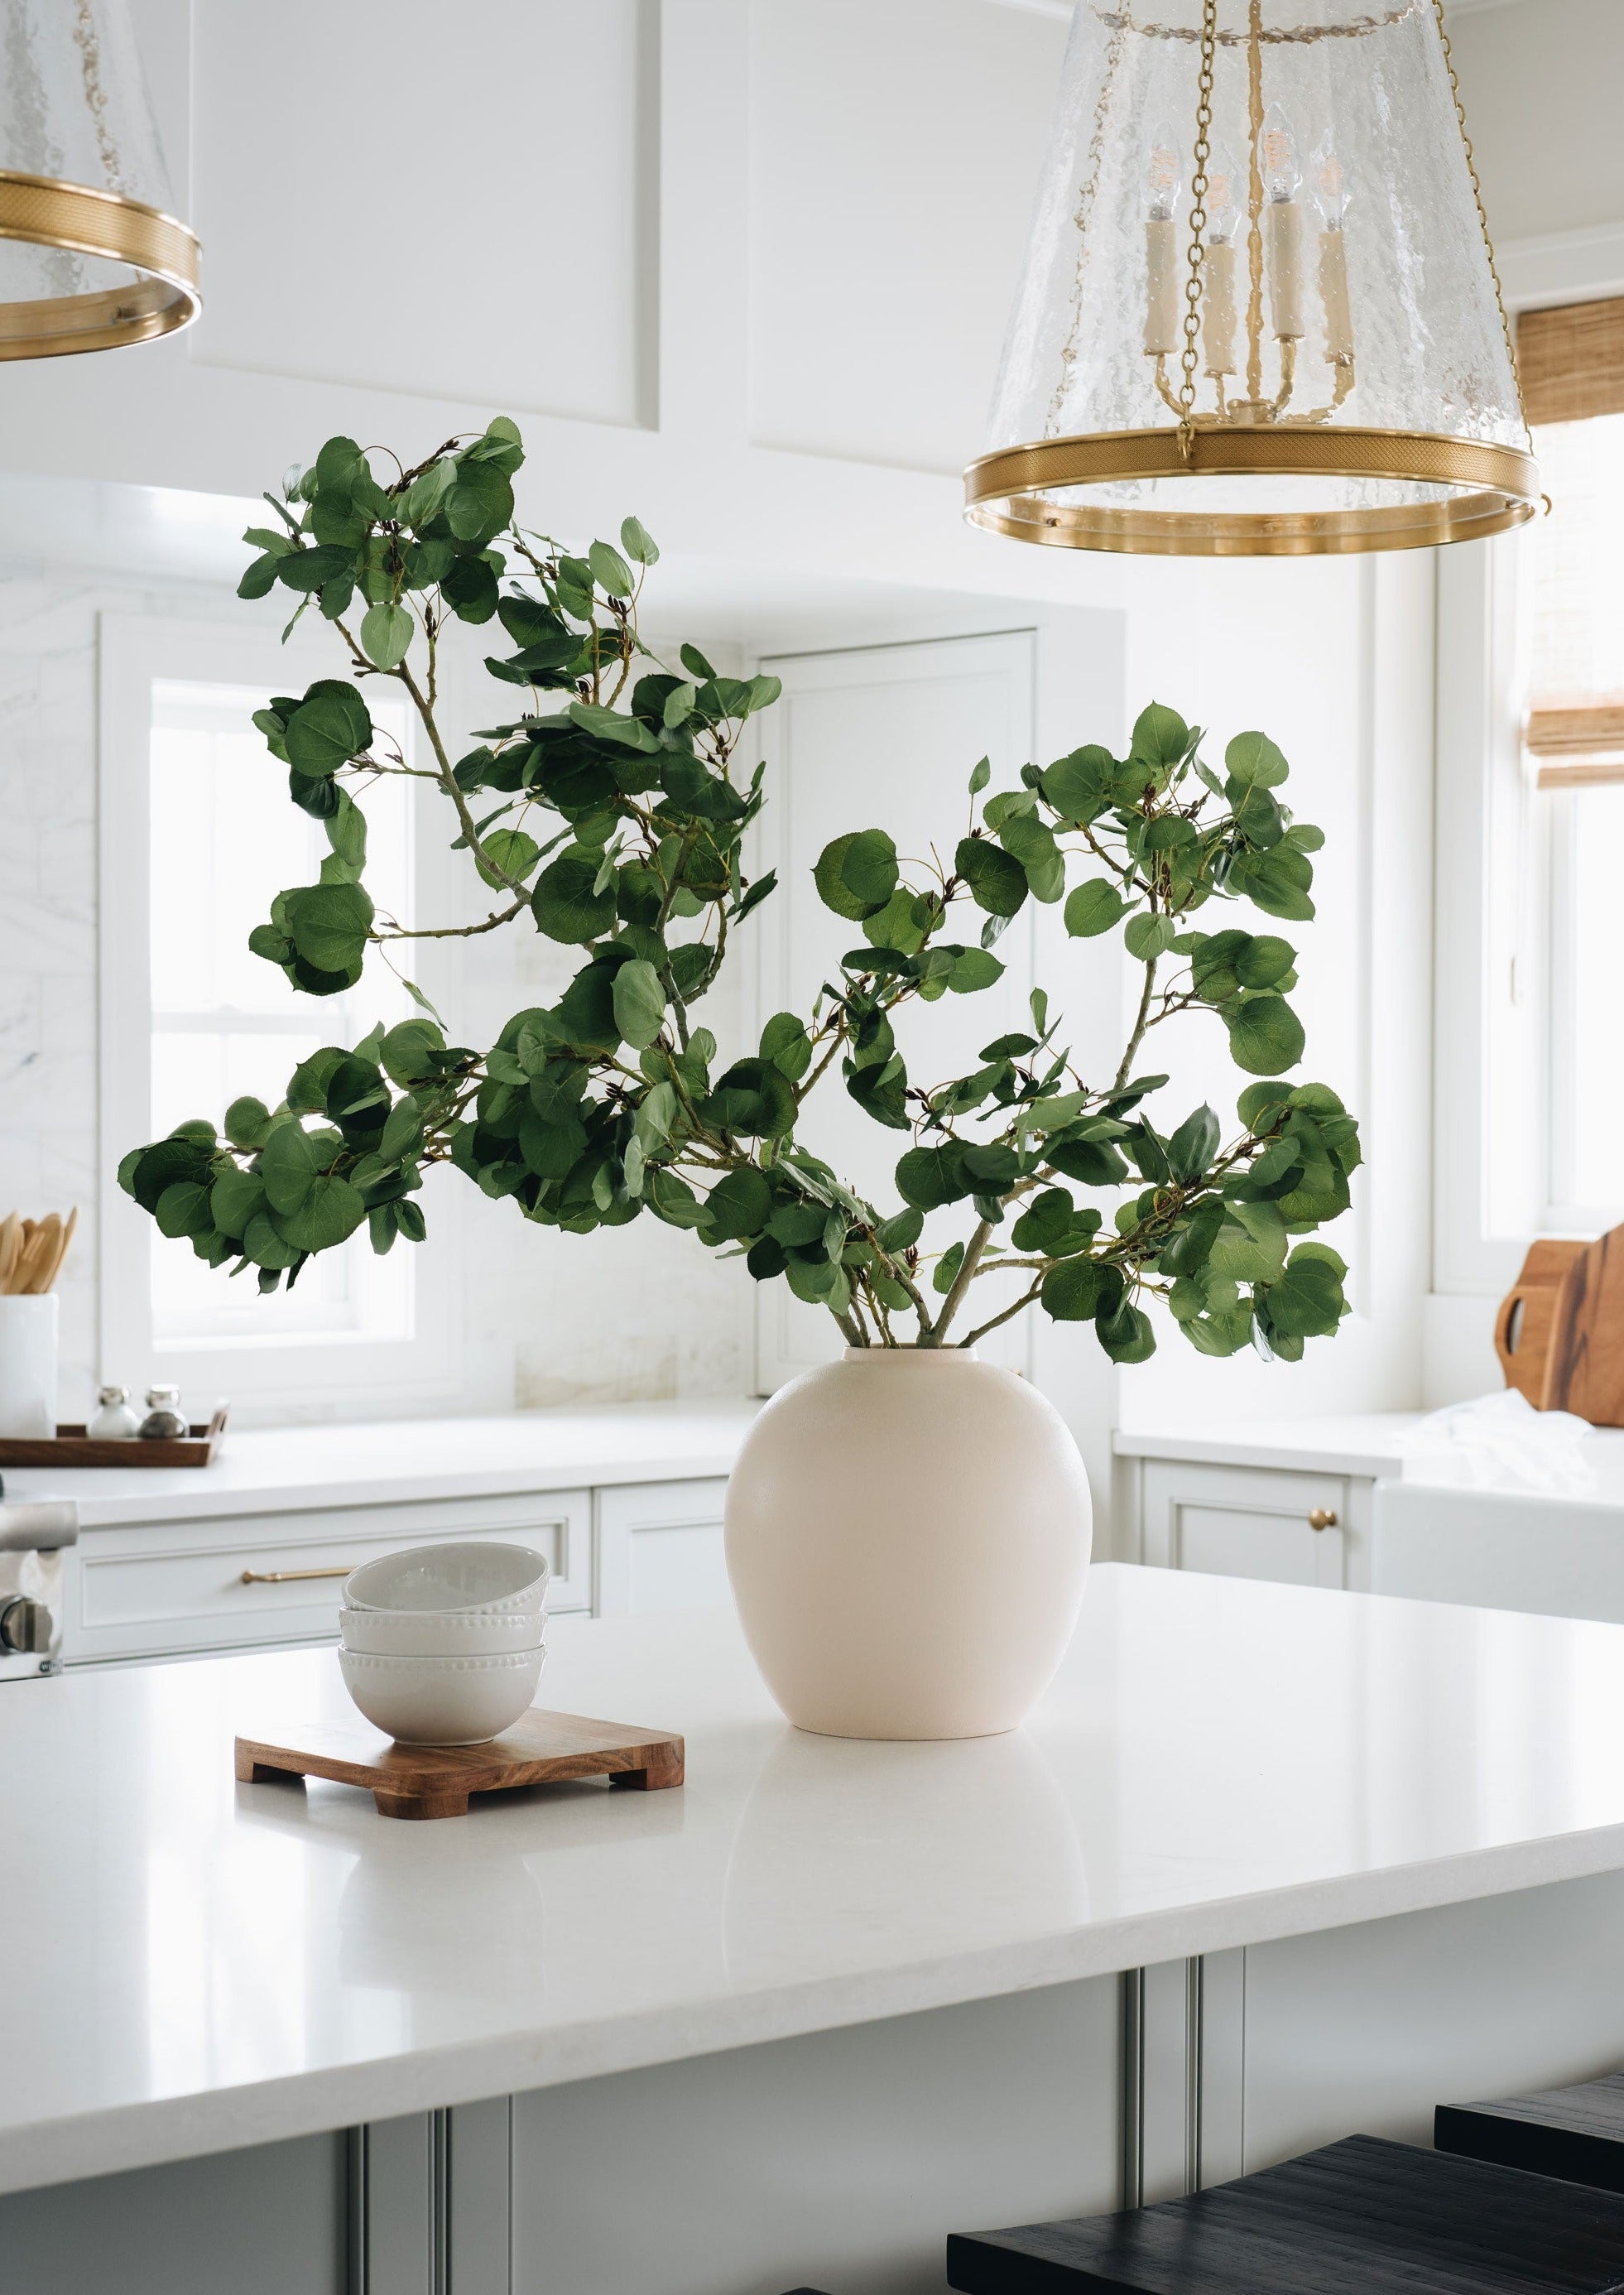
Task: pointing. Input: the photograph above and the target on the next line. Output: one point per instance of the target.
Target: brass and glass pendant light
(1260, 314)
(90, 255)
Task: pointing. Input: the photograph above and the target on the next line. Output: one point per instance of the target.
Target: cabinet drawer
(659, 1547)
(148, 1591)
(1245, 1521)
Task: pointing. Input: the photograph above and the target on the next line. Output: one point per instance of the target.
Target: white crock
(908, 1533)
(27, 1365)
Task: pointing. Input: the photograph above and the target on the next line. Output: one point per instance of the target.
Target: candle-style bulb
(1223, 199)
(1162, 178)
(1330, 188)
(1282, 171)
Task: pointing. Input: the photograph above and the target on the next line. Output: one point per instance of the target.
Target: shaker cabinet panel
(1238, 1522)
(659, 1549)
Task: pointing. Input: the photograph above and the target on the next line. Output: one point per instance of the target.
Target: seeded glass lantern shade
(1259, 315)
(90, 255)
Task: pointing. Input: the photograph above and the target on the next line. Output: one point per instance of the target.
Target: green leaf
(1192, 1145)
(901, 1232)
(637, 543)
(564, 903)
(946, 1268)
(386, 634)
(786, 1043)
(1079, 787)
(331, 725)
(1252, 758)
(1265, 1035)
(996, 878)
(481, 502)
(751, 1098)
(247, 1122)
(1093, 908)
(330, 1213)
(289, 1166)
(857, 874)
(329, 925)
(695, 663)
(409, 1052)
(974, 969)
(610, 725)
(1307, 1301)
(738, 1206)
(1071, 1292)
(235, 1198)
(1148, 937)
(980, 775)
(1126, 1335)
(1263, 961)
(640, 1003)
(929, 1177)
(1159, 736)
(510, 851)
(610, 571)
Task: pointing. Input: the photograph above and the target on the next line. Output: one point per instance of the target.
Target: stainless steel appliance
(34, 1534)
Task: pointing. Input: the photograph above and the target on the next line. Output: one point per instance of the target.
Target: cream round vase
(908, 1533)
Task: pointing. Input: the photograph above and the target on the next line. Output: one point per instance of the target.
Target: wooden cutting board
(1559, 1331)
(428, 1781)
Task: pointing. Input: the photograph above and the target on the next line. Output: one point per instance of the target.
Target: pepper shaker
(163, 1422)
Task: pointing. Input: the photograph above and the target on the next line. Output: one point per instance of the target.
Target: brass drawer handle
(1322, 1518)
(287, 1577)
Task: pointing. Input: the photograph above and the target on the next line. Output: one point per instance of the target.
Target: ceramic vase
(27, 1365)
(908, 1534)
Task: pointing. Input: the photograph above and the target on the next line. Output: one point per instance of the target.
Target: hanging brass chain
(1190, 356)
(1477, 193)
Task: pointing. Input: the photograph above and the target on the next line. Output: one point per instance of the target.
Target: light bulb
(1281, 170)
(1331, 194)
(1163, 177)
(1222, 202)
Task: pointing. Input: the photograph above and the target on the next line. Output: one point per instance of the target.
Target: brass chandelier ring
(48, 213)
(1010, 492)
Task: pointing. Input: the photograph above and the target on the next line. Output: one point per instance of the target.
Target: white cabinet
(231, 1581)
(1246, 1522)
(659, 1547)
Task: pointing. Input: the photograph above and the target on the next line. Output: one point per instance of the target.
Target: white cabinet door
(884, 736)
(659, 1549)
(1243, 1521)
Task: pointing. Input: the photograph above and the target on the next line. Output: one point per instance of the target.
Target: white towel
(1500, 1441)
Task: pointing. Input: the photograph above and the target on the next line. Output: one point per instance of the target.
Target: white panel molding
(1563, 266)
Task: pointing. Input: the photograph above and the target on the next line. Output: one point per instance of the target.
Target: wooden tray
(72, 1446)
(541, 1749)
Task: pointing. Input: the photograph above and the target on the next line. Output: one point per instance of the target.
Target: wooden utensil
(55, 1269)
(10, 1249)
(43, 1253)
(32, 1252)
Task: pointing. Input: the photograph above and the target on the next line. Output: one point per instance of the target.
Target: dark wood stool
(1361, 2217)
(1575, 2132)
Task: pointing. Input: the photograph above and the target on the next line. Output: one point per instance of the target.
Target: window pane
(224, 840)
(1577, 563)
(1588, 1099)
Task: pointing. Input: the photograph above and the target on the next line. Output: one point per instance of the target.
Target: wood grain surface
(1577, 2133)
(1586, 1366)
(71, 1446)
(428, 1781)
(1529, 1313)
(1360, 2218)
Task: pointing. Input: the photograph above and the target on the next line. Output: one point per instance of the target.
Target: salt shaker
(115, 1420)
(163, 1422)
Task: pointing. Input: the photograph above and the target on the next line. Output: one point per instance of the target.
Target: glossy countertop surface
(399, 1459)
(195, 1964)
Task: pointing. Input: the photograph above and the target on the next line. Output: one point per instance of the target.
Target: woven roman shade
(1572, 361)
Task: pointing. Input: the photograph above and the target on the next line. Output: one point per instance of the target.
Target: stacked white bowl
(444, 1644)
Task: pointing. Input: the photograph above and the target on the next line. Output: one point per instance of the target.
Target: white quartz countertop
(1370, 1444)
(293, 1466)
(197, 1964)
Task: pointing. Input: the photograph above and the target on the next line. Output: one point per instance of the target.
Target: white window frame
(321, 1373)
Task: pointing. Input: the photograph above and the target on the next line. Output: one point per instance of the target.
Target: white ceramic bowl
(464, 1574)
(441, 1633)
(442, 1701)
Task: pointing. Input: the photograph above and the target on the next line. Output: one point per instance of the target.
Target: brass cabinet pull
(1322, 1518)
(287, 1577)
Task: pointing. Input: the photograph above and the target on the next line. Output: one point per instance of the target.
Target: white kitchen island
(1271, 1865)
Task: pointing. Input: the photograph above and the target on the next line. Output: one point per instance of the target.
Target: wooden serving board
(72, 1446)
(1559, 1331)
(422, 1781)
